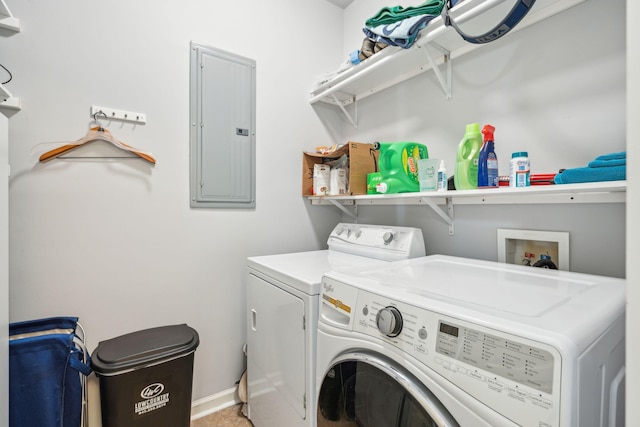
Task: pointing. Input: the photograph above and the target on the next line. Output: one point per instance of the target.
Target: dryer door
(276, 359)
(367, 390)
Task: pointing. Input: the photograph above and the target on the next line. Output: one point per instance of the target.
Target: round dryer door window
(364, 390)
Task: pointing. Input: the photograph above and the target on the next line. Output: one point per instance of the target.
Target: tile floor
(229, 417)
(232, 417)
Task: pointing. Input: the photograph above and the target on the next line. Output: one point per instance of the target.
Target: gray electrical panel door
(223, 105)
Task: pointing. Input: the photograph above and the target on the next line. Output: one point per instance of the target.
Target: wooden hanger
(97, 133)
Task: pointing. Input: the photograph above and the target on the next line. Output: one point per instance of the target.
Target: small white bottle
(519, 169)
(442, 177)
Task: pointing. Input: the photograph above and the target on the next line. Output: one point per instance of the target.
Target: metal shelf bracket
(353, 120)
(353, 215)
(445, 81)
(7, 20)
(446, 216)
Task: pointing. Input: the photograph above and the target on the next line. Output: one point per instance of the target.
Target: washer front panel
(515, 376)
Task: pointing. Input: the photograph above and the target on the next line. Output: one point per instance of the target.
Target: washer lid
(496, 292)
(524, 292)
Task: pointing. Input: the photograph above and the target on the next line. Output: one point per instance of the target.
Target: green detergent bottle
(398, 168)
(465, 175)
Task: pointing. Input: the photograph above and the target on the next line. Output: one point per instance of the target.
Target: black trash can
(146, 377)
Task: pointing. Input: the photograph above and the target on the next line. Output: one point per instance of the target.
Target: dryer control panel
(515, 376)
(388, 243)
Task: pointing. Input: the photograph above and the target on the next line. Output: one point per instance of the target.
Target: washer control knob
(388, 237)
(389, 321)
(422, 333)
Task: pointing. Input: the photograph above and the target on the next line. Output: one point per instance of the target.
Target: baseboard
(210, 404)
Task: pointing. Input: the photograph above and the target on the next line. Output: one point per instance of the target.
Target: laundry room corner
(114, 241)
(155, 196)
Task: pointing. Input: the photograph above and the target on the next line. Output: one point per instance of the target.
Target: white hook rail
(120, 115)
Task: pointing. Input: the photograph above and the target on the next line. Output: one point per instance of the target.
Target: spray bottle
(488, 161)
(465, 175)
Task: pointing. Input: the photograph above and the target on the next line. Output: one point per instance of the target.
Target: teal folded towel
(613, 156)
(573, 176)
(390, 15)
(402, 34)
(606, 163)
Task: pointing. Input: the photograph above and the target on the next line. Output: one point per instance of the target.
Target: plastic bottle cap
(354, 57)
(519, 154)
(487, 132)
(473, 127)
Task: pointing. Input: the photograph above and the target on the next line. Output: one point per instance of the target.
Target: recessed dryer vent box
(526, 247)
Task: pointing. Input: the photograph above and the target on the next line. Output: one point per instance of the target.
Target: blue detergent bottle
(488, 161)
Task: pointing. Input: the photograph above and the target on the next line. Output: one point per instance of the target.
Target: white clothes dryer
(446, 341)
(282, 309)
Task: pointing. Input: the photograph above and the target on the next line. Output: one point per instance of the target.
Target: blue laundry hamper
(48, 365)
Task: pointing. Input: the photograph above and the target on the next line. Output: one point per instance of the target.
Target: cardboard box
(363, 159)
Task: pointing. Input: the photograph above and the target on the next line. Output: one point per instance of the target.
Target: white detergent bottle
(442, 177)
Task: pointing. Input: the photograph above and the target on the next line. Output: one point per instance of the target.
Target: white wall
(4, 272)
(633, 211)
(556, 90)
(115, 242)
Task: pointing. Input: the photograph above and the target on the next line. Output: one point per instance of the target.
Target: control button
(365, 310)
(476, 375)
(422, 334)
(516, 393)
(389, 321)
(494, 384)
(461, 369)
(540, 401)
(358, 233)
(445, 364)
(388, 237)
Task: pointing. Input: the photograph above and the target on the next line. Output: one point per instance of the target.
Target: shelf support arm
(344, 110)
(337, 204)
(7, 20)
(446, 216)
(445, 82)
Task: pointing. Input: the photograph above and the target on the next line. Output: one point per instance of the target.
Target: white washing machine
(446, 341)
(282, 308)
